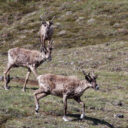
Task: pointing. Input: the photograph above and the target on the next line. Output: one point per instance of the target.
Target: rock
(22, 36)
(79, 19)
(56, 25)
(72, 63)
(118, 116)
(118, 103)
(69, 13)
(62, 16)
(63, 32)
(91, 21)
(64, 6)
(123, 31)
(116, 25)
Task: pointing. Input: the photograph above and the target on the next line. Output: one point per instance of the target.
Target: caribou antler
(43, 17)
(52, 18)
(51, 44)
(92, 75)
(87, 76)
(84, 73)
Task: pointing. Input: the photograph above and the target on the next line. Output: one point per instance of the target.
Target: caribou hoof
(24, 90)
(65, 118)
(82, 116)
(6, 88)
(36, 112)
(37, 109)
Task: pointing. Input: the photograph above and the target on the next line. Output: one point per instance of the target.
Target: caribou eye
(44, 23)
(51, 23)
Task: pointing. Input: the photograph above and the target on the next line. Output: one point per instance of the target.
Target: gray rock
(69, 13)
(79, 19)
(57, 24)
(123, 31)
(91, 21)
(118, 115)
(117, 103)
(116, 25)
(63, 32)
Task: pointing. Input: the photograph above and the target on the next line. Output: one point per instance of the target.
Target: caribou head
(91, 78)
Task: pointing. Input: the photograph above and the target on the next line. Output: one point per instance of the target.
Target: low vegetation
(77, 23)
(90, 35)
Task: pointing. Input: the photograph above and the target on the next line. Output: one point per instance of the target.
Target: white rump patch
(39, 78)
(10, 59)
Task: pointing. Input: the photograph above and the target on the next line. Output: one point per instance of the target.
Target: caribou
(67, 87)
(30, 59)
(46, 32)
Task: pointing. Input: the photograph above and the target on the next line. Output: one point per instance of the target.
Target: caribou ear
(96, 76)
(42, 49)
(84, 73)
(51, 23)
(88, 78)
(52, 18)
(51, 44)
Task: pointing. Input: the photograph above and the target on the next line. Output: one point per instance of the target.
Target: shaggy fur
(46, 32)
(63, 86)
(30, 59)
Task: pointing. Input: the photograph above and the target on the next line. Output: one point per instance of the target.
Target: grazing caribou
(46, 32)
(66, 87)
(30, 59)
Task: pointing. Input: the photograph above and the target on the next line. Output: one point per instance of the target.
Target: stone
(79, 19)
(91, 21)
(63, 32)
(69, 13)
(118, 115)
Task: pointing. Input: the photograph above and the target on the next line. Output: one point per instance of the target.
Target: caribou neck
(45, 54)
(85, 84)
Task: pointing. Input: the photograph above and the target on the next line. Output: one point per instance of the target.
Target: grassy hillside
(102, 107)
(90, 35)
(77, 23)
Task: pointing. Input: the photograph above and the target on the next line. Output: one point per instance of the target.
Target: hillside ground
(89, 35)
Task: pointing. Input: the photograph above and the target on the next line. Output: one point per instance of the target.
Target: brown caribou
(46, 32)
(30, 59)
(68, 87)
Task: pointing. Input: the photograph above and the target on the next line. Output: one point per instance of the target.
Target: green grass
(17, 107)
(20, 22)
(100, 45)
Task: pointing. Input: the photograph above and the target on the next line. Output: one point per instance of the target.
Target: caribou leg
(6, 77)
(83, 107)
(65, 107)
(37, 96)
(26, 80)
